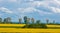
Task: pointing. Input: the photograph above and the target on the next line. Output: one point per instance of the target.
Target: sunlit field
(12, 25)
(53, 25)
(28, 30)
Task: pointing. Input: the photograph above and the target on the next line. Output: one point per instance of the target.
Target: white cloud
(28, 0)
(57, 1)
(31, 0)
(12, 0)
(55, 10)
(32, 5)
(3, 9)
(44, 13)
(53, 5)
(26, 10)
(37, 3)
(32, 10)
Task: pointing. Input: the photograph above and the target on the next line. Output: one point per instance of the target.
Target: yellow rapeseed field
(53, 25)
(28, 30)
(12, 24)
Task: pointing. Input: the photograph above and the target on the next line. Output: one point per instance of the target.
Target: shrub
(35, 26)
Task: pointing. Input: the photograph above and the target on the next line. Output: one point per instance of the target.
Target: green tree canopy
(25, 19)
(38, 21)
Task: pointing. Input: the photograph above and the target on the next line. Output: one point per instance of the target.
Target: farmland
(29, 30)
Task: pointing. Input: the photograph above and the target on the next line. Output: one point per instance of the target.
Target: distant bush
(35, 26)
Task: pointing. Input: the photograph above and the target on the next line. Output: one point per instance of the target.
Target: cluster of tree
(6, 20)
(33, 25)
(48, 22)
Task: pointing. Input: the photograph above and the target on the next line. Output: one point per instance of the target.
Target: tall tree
(0, 19)
(4, 20)
(25, 19)
(47, 20)
(28, 20)
(38, 21)
(53, 21)
(8, 19)
(32, 20)
(20, 20)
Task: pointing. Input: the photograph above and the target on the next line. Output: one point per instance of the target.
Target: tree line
(26, 20)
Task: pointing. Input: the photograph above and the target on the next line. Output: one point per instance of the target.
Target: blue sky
(38, 9)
